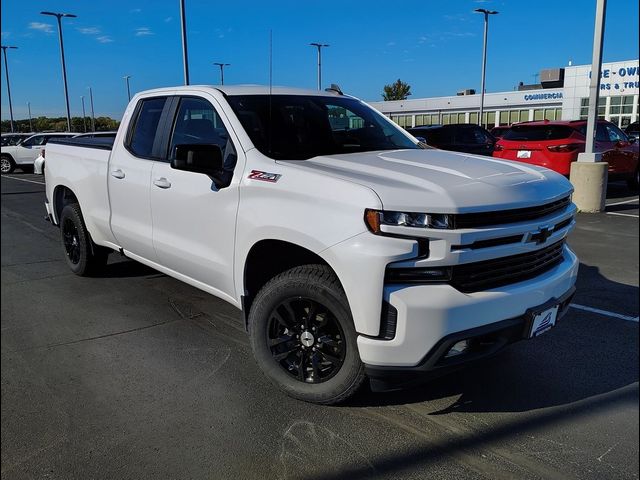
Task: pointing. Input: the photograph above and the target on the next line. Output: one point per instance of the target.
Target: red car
(556, 144)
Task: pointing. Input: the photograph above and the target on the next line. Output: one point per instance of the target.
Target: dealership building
(562, 94)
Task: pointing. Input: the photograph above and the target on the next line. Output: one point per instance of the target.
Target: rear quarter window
(537, 133)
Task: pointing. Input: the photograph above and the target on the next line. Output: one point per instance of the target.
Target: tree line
(59, 124)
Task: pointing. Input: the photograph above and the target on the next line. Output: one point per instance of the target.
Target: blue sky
(436, 46)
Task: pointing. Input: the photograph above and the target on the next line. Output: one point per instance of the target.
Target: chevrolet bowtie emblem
(541, 235)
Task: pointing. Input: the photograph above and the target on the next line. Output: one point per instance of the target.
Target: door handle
(117, 173)
(162, 182)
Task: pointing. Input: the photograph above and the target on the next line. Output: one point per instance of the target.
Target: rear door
(129, 178)
(194, 221)
(29, 150)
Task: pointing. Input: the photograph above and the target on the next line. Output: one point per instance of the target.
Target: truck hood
(439, 181)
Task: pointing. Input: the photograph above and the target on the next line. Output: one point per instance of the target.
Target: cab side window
(143, 134)
(198, 123)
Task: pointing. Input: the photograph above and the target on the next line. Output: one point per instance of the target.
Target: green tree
(398, 90)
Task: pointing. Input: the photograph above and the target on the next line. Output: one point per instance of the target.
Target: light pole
(126, 79)
(589, 174)
(6, 72)
(319, 46)
(484, 55)
(93, 115)
(222, 65)
(29, 109)
(64, 67)
(185, 57)
(84, 115)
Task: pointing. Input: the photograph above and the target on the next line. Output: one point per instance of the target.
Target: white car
(25, 153)
(38, 164)
(351, 251)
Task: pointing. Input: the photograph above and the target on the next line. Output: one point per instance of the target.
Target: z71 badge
(264, 176)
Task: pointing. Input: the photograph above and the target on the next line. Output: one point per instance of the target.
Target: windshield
(297, 127)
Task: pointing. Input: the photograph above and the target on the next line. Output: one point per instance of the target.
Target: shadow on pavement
(583, 356)
(126, 268)
(619, 190)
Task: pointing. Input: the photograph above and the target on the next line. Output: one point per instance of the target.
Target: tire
(634, 182)
(83, 256)
(7, 165)
(329, 370)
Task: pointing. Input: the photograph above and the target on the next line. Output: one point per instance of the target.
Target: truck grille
(474, 220)
(485, 275)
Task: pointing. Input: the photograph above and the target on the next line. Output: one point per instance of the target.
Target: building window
(559, 113)
(584, 107)
(420, 120)
(473, 117)
(524, 115)
(435, 119)
(504, 118)
(445, 119)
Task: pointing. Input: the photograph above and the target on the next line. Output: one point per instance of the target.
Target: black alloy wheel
(306, 340)
(71, 241)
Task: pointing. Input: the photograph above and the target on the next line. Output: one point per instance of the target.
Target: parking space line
(605, 312)
(622, 203)
(622, 214)
(23, 179)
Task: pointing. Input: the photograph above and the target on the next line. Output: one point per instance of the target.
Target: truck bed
(103, 143)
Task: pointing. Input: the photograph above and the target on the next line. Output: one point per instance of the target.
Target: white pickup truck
(353, 252)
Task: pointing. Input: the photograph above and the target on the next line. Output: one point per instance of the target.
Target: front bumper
(429, 315)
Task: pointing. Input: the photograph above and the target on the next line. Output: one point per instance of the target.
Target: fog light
(458, 349)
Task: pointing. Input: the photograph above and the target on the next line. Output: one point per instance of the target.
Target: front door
(193, 221)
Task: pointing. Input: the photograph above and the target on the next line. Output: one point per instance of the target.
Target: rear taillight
(498, 148)
(567, 147)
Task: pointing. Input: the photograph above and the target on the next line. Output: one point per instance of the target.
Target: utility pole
(59, 17)
(589, 174)
(29, 109)
(319, 46)
(484, 56)
(93, 115)
(84, 115)
(185, 57)
(6, 72)
(126, 79)
(222, 65)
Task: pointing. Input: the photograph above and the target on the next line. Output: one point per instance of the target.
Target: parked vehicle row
(352, 251)
(38, 164)
(22, 150)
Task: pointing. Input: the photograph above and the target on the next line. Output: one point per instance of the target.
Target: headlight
(376, 218)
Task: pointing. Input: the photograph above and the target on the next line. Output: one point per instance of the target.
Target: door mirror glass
(202, 158)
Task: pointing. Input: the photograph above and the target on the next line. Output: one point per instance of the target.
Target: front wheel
(7, 165)
(303, 337)
(82, 255)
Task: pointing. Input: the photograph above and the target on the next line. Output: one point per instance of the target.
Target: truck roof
(249, 90)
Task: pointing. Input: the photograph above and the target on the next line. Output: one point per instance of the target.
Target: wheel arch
(62, 196)
(268, 258)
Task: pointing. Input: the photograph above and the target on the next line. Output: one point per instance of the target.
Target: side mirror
(205, 159)
(632, 140)
(421, 139)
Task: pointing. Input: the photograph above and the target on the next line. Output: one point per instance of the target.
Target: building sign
(543, 96)
(619, 77)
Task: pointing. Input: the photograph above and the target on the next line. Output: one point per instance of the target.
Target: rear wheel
(303, 337)
(82, 255)
(7, 165)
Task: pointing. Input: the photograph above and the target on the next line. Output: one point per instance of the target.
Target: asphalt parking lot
(136, 375)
